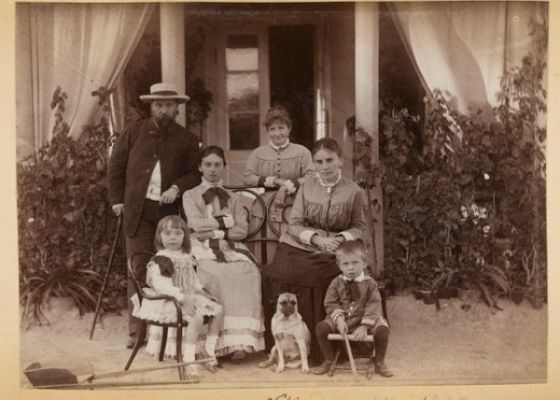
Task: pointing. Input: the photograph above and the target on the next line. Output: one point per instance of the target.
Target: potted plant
(62, 284)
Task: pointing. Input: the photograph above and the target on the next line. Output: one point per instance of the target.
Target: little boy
(353, 304)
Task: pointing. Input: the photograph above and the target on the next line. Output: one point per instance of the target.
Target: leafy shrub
(469, 206)
(64, 220)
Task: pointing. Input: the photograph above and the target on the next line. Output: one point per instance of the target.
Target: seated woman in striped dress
(226, 268)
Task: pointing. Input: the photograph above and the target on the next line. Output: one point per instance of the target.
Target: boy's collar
(359, 278)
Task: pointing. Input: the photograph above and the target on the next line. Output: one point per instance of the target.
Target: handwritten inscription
(283, 396)
(443, 397)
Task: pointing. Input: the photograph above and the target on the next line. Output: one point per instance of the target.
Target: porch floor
(427, 347)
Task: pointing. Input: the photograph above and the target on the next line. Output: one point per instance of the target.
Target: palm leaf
(83, 292)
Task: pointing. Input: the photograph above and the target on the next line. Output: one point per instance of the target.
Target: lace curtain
(465, 47)
(79, 47)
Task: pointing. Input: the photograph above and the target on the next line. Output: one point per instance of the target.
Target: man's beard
(163, 120)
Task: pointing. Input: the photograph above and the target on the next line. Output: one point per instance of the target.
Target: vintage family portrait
(290, 196)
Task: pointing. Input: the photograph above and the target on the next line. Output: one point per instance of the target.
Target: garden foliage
(467, 206)
(64, 221)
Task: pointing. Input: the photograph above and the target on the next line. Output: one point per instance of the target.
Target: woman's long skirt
(237, 287)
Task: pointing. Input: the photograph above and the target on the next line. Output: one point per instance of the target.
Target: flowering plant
(466, 205)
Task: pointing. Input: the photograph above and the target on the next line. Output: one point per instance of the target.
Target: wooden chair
(347, 339)
(259, 233)
(179, 323)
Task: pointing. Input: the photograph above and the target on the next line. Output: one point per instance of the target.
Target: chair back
(132, 273)
(262, 229)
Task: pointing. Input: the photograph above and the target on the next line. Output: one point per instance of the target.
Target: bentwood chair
(178, 323)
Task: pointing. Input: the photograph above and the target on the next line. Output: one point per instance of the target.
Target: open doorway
(291, 66)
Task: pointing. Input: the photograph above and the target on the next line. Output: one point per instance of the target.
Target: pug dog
(292, 339)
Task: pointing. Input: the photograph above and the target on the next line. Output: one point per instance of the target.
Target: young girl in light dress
(172, 272)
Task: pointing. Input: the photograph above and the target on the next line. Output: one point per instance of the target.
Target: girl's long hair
(175, 222)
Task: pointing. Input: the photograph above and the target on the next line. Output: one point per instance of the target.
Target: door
(243, 95)
(259, 66)
(291, 65)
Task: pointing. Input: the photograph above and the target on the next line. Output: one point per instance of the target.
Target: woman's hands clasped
(326, 244)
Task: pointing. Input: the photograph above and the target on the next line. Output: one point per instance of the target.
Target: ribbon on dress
(220, 193)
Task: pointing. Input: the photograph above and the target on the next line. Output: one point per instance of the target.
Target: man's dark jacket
(134, 157)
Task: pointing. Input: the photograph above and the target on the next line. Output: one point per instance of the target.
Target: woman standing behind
(328, 210)
(226, 268)
(279, 163)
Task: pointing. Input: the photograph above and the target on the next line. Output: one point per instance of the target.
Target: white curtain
(79, 47)
(465, 47)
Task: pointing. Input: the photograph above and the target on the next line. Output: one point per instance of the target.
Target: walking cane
(350, 355)
(106, 279)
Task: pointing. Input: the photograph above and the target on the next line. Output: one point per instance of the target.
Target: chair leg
(163, 343)
(179, 343)
(138, 344)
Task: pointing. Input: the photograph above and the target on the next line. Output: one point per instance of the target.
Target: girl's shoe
(192, 371)
(213, 365)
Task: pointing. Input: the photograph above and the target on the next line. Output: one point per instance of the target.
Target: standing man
(153, 162)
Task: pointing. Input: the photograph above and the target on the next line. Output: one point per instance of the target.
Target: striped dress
(227, 269)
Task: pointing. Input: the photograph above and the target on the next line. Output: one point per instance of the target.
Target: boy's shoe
(192, 371)
(322, 369)
(381, 369)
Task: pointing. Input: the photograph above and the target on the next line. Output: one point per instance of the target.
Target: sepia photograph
(229, 195)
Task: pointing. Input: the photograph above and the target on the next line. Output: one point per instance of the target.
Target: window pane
(243, 131)
(242, 53)
(243, 91)
(242, 59)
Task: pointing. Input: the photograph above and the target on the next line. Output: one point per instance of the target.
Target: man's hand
(170, 195)
(360, 333)
(341, 325)
(118, 209)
